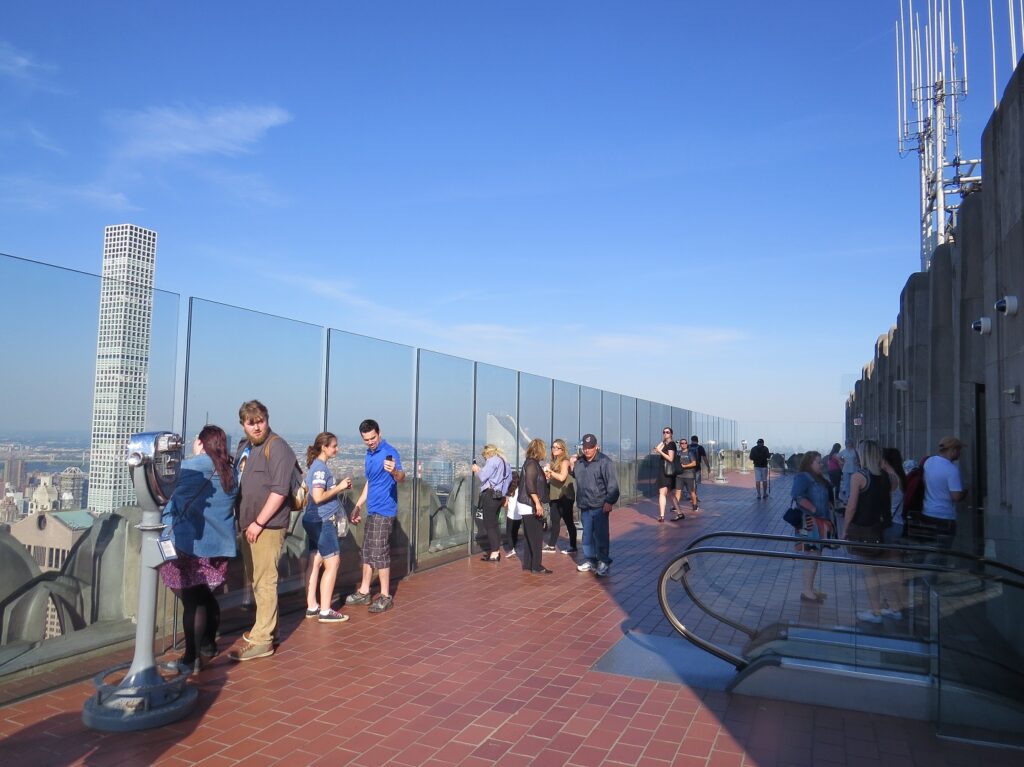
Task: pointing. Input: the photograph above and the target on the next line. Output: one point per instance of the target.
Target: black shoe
(542, 571)
(489, 558)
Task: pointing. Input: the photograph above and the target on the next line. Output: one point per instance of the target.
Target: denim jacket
(200, 513)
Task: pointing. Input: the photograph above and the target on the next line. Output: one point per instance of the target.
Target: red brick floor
(480, 665)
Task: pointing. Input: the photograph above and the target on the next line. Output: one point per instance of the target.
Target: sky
(693, 203)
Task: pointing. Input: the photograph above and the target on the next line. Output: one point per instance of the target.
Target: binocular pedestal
(145, 698)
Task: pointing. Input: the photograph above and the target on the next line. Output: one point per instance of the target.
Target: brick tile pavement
(485, 665)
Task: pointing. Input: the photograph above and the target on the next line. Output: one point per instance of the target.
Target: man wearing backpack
(266, 464)
(943, 489)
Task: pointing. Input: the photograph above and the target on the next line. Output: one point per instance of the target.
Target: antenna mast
(931, 80)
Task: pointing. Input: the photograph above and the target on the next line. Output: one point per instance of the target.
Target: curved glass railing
(941, 619)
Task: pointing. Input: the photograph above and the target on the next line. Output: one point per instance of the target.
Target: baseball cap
(948, 443)
(589, 440)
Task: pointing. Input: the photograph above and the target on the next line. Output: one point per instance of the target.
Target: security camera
(1007, 305)
(982, 326)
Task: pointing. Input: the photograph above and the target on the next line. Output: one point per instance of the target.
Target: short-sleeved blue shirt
(319, 475)
(382, 497)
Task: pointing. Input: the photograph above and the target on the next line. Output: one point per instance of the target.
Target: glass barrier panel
(69, 567)
(627, 435)
(224, 372)
(566, 414)
(979, 658)
(534, 411)
(495, 424)
(647, 466)
(610, 425)
(590, 412)
(386, 395)
(444, 450)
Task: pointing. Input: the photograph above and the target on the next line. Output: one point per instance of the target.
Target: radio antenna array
(931, 81)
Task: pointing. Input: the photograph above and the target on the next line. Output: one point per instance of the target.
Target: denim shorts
(321, 537)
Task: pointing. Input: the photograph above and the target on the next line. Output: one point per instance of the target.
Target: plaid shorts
(377, 541)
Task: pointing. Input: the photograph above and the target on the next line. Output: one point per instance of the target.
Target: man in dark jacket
(759, 455)
(597, 490)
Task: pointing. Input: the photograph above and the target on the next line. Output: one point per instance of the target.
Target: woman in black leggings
(200, 521)
(561, 491)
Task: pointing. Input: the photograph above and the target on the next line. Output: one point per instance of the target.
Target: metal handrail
(678, 567)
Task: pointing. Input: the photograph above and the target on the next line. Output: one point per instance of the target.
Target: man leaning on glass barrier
(265, 464)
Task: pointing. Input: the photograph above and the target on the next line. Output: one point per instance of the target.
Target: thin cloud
(246, 187)
(166, 133)
(43, 141)
(27, 193)
(21, 68)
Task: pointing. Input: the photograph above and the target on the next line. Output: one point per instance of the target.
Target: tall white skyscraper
(122, 361)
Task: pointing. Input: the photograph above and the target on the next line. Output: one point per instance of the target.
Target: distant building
(122, 361)
(72, 489)
(49, 538)
(14, 474)
(44, 498)
(437, 473)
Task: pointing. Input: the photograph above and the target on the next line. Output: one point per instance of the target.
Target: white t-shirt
(849, 455)
(941, 477)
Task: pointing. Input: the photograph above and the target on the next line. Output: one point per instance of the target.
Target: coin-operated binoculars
(743, 457)
(720, 479)
(145, 698)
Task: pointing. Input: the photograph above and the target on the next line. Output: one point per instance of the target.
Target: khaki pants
(260, 561)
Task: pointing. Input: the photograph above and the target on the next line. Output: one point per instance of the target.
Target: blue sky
(695, 205)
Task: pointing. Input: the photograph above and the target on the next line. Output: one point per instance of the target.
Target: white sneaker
(586, 567)
(896, 615)
(603, 569)
(869, 617)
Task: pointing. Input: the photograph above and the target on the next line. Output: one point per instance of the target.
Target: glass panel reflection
(63, 569)
(386, 396)
(534, 410)
(444, 447)
(610, 426)
(566, 414)
(590, 412)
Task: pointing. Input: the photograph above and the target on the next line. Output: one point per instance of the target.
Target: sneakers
(252, 652)
(381, 603)
(332, 616)
(510, 553)
(895, 615)
(567, 551)
(586, 567)
(869, 617)
(312, 612)
(358, 598)
(602, 569)
(547, 547)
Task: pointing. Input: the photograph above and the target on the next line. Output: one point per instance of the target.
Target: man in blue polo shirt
(380, 495)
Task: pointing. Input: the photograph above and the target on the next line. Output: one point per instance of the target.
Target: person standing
(667, 476)
(759, 455)
(561, 491)
(533, 495)
(495, 477)
(834, 467)
(701, 455)
(263, 515)
(320, 523)
(809, 492)
(597, 490)
(686, 479)
(200, 519)
(850, 463)
(383, 467)
(943, 490)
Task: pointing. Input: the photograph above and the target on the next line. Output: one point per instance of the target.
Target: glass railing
(936, 618)
(68, 575)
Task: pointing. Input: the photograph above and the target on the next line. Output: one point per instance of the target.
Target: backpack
(296, 486)
(913, 491)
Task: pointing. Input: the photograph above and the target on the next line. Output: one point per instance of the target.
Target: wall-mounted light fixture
(901, 384)
(982, 326)
(1007, 305)
(1014, 394)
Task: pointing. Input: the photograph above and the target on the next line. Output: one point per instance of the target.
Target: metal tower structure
(931, 81)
